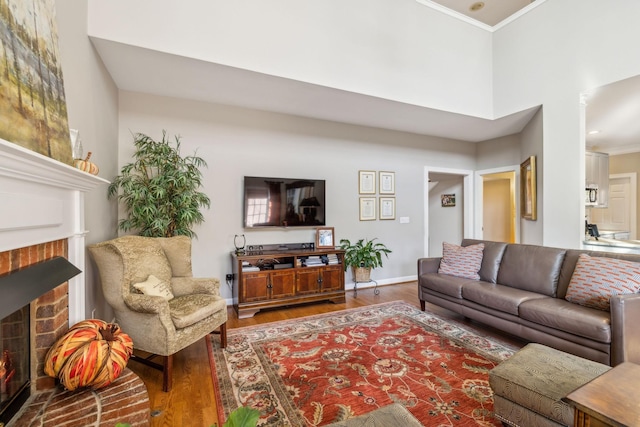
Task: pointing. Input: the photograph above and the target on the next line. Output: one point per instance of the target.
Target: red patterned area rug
(317, 370)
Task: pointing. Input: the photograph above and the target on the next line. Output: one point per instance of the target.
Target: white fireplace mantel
(42, 200)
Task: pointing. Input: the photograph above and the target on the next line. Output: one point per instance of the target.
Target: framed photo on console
(325, 238)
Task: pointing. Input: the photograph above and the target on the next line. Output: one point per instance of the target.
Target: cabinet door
(307, 281)
(282, 284)
(254, 286)
(332, 278)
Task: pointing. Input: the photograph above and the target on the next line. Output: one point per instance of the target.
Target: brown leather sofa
(521, 291)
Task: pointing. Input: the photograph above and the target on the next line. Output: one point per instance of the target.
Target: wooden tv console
(275, 278)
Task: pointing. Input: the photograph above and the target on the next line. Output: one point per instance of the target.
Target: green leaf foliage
(242, 417)
(363, 253)
(160, 189)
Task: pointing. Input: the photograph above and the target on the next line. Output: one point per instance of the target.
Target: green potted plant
(160, 189)
(362, 256)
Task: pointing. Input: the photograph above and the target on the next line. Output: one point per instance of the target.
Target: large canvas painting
(33, 110)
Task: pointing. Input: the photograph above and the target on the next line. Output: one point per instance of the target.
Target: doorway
(496, 205)
(448, 207)
(620, 215)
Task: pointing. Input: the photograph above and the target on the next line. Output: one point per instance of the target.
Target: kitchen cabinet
(268, 279)
(597, 176)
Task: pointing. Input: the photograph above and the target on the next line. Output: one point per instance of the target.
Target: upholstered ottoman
(387, 416)
(529, 386)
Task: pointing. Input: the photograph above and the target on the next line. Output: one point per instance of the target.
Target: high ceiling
(612, 110)
(490, 12)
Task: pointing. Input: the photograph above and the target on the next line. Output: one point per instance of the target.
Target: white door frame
(468, 206)
(479, 196)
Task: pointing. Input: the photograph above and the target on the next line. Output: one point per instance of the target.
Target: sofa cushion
(596, 279)
(563, 315)
(155, 287)
(444, 284)
(491, 257)
(531, 268)
(461, 261)
(498, 297)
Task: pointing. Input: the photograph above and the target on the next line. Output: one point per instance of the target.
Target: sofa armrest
(625, 333)
(428, 265)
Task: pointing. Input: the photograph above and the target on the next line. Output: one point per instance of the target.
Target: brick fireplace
(42, 217)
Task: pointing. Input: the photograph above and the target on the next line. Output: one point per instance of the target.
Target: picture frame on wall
(367, 208)
(447, 200)
(367, 182)
(387, 208)
(528, 205)
(387, 182)
(325, 238)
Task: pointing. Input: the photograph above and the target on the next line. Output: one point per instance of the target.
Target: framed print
(367, 182)
(325, 238)
(387, 208)
(387, 181)
(367, 208)
(528, 207)
(447, 200)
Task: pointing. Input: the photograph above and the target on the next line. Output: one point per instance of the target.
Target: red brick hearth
(126, 400)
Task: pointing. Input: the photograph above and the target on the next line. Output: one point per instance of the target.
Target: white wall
(237, 142)
(531, 144)
(401, 51)
(445, 223)
(548, 57)
(92, 104)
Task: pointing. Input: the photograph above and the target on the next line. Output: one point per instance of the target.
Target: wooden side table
(610, 399)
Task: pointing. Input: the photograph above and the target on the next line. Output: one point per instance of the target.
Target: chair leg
(223, 335)
(167, 373)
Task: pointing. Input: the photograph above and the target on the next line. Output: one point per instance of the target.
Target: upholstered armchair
(149, 284)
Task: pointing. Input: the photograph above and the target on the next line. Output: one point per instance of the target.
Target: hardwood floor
(191, 402)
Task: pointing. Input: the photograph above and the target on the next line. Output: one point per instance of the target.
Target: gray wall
(92, 104)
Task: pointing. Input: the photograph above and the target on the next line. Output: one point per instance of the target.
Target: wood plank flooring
(191, 401)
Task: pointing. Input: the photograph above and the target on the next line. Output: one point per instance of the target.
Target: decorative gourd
(92, 353)
(87, 166)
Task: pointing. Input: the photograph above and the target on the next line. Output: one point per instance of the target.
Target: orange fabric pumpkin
(92, 353)
(87, 166)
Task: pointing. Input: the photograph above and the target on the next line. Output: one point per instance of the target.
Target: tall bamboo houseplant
(160, 189)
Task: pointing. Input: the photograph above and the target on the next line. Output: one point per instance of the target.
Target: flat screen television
(283, 202)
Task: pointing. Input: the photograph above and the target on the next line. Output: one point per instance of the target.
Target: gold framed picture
(367, 208)
(528, 206)
(367, 182)
(387, 182)
(387, 208)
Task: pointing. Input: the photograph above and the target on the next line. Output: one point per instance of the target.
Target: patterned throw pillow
(596, 279)
(155, 287)
(461, 261)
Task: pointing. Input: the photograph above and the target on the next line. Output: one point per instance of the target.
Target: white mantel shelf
(42, 200)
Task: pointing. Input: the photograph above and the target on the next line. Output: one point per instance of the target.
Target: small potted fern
(362, 256)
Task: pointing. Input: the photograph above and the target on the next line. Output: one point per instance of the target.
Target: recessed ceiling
(489, 12)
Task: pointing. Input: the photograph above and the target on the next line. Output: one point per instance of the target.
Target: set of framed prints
(371, 183)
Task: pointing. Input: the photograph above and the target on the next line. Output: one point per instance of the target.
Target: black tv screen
(283, 202)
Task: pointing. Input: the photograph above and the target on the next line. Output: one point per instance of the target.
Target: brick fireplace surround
(50, 405)
(43, 217)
